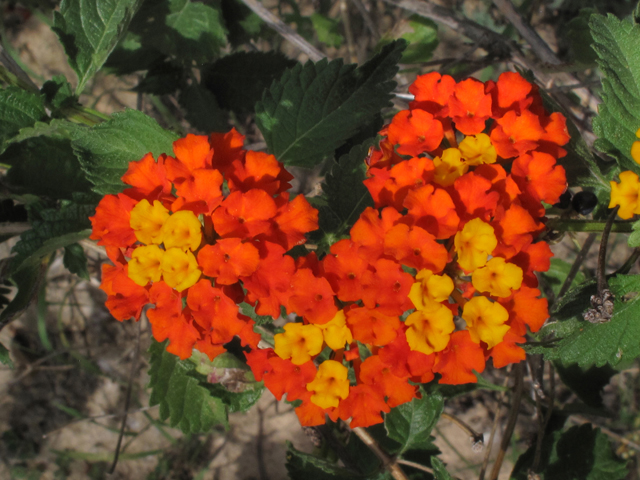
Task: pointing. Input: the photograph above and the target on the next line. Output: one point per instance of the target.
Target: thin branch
(415, 465)
(581, 420)
(539, 47)
(577, 264)
(544, 421)
(602, 253)
(127, 400)
(284, 30)
(476, 438)
(511, 422)
(389, 463)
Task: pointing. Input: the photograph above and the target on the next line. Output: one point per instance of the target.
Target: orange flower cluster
(440, 275)
(198, 233)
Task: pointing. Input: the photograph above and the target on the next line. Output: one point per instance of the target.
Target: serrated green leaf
(580, 453)
(90, 30)
(617, 43)
(327, 30)
(239, 80)
(580, 39)
(20, 109)
(410, 424)
(131, 56)
(345, 195)
(314, 108)
(202, 110)
(439, 469)
(590, 344)
(45, 166)
(182, 399)
(634, 238)
(5, 359)
(75, 260)
(106, 149)
(303, 466)
(55, 128)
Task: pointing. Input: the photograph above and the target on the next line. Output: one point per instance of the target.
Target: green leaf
(90, 30)
(303, 466)
(184, 29)
(202, 110)
(56, 228)
(250, 311)
(587, 344)
(106, 149)
(131, 56)
(439, 469)
(580, 39)
(45, 166)
(242, 23)
(55, 128)
(314, 108)
(586, 383)
(182, 399)
(345, 195)
(634, 238)
(410, 424)
(20, 109)
(59, 93)
(5, 359)
(239, 80)
(327, 30)
(423, 40)
(162, 78)
(617, 43)
(75, 260)
(27, 280)
(580, 453)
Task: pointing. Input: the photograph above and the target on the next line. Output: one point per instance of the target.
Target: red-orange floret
(363, 405)
(148, 176)
(473, 199)
(244, 214)
(508, 351)
(538, 175)
(343, 269)
(415, 248)
(457, 362)
(386, 287)
(511, 92)
(379, 375)
(285, 377)
(415, 132)
(432, 92)
(227, 148)
(470, 106)
(111, 222)
(228, 260)
(433, 209)
(370, 229)
(125, 297)
(258, 170)
(292, 221)
(516, 135)
(526, 309)
(370, 326)
(312, 297)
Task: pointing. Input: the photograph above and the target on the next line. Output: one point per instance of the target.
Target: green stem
(579, 225)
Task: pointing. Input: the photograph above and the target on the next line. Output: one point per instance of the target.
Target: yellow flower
(497, 277)
(625, 194)
(330, 385)
(635, 149)
(485, 320)
(429, 330)
(474, 243)
(179, 269)
(144, 266)
(449, 167)
(147, 220)
(477, 149)
(430, 288)
(298, 342)
(182, 230)
(336, 333)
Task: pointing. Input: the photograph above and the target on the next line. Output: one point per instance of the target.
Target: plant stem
(576, 265)
(580, 225)
(389, 463)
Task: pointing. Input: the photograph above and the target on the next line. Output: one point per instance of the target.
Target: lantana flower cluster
(440, 275)
(198, 233)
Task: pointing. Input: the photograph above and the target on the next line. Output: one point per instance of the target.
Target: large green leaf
(580, 453)
(182, 399)
(239, 80)
(202, 110)
(18, 109)
(45, 166)
(617, 43)
(344, 194)
(587, 344)
(439, 469)
(314, 108)
(106, 149)
(303, 466)
(586, 383)
(410, 424)
(89, 30)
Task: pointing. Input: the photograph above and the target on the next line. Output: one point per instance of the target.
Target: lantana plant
(423, 261)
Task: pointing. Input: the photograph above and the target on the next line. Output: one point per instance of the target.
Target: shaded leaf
(162, 78)
(239, 80)
(580, 39)
(106, 149)
(586, 383)
(580, 453)
(27, 280)
(202, 110)
(45, 166)
(182, 399)
(314, 108)
(5, 359)
(90, 30)
(410, 424)
(20, 109)
(75, 260)
(59, 93)
(587, 344)
(303, 466)
(617, 43)
(439, 470)
(131, 56)
(242, 23)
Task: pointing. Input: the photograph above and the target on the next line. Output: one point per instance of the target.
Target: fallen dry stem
(389, 463)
